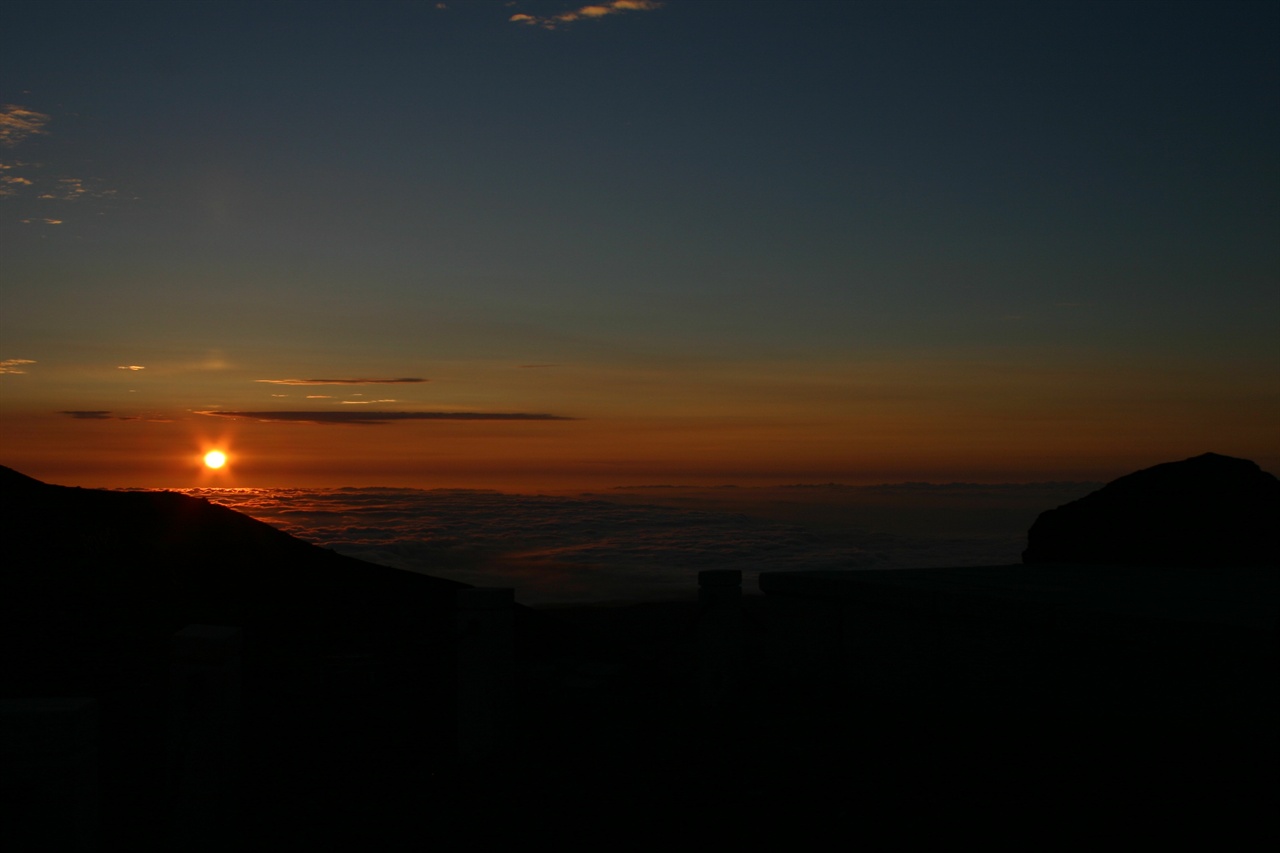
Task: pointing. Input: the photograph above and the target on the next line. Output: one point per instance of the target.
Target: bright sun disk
(215, 459)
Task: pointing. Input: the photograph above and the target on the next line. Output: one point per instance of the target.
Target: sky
(540, 245)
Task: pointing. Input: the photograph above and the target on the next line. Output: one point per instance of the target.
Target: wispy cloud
(131, 367)
(339, 381)
(17, 123)
(591, 12)
(41, 221)
(70, 189)
(11, 184)
(15, 365)
(91, 415)
(366, 402)
(365, 417)
(312, 396)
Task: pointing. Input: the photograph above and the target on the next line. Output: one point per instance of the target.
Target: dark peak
(1212, 461)
(83, 570)
(11, 479)
(1211, 457)
(1209, 510)
(1206, 474)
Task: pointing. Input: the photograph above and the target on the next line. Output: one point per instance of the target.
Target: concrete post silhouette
(49, 773)
(485, 660)
(204, 737)
(720, 634)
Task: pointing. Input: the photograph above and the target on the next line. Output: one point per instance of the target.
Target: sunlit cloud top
(70, 189)
(10, 184)
(17, 123)
(15, 365)
(594, 10)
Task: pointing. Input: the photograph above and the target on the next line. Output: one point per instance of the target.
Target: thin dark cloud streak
(407, 380)
(380, 418)
(108, 415)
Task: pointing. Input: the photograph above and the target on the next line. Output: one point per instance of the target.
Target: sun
(215, 459)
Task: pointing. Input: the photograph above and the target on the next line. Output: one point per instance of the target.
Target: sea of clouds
(649, 543)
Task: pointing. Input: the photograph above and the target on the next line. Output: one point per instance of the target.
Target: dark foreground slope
(341, 683)
(95, 586)
(921, 703)
(87, 571)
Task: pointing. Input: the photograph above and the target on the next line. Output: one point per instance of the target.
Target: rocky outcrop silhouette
(1210, 510)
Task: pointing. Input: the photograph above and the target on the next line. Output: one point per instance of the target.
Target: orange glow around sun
(215, 459)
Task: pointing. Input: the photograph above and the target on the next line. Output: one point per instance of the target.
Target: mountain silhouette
(128, 601)
(93, 575)
(1210, 510)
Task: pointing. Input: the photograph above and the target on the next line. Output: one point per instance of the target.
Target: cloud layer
(592, 548)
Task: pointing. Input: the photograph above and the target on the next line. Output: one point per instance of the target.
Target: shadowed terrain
(95, 586)
(840, 704)
(90, 570)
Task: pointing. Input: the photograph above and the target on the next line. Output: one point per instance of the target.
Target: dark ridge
(11, 479)
(89, 571)
(1210, 510)
(344, 672)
